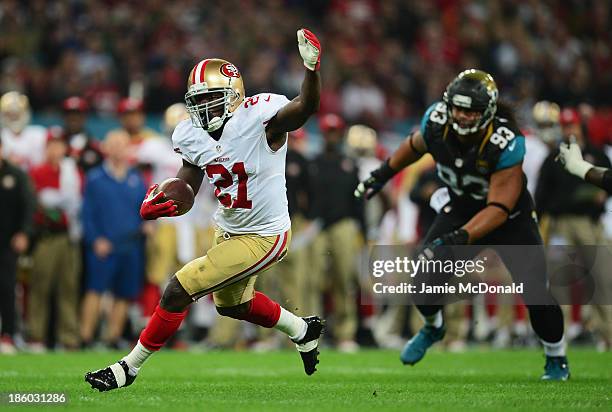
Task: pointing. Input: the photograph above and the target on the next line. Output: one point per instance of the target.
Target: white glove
(570, 157)
(310, 49)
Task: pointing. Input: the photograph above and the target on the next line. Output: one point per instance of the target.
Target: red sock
(263, 311)
(160, 328)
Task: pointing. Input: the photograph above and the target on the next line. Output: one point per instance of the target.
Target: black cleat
(308, 346)
(113, 377)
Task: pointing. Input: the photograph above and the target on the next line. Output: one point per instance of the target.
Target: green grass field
(373, 381)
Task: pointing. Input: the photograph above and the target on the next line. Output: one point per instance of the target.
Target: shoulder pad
(434, 121)
(505, 147)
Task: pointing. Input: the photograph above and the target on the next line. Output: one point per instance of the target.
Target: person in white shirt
(23, 144)
(239, 144)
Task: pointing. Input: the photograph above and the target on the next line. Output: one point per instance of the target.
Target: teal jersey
(466, 170)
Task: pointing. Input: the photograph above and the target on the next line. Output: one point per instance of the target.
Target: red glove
(151, 209)
(310, 49)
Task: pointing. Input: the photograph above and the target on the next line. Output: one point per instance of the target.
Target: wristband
(386, 172)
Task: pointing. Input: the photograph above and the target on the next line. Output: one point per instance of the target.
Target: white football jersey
(249, 178)
(26, 149)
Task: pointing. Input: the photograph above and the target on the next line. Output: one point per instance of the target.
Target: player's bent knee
(236, 312)
(175, 298)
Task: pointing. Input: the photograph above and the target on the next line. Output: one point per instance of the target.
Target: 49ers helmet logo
(229, 70)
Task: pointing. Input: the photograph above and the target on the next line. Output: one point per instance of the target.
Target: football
(179, 191)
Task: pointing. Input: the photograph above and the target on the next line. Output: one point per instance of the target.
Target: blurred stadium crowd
(73, 249)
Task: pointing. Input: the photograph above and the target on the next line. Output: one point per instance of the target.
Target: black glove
(375, 182)
(437, 249)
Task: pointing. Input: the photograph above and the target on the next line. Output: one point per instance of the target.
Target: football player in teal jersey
(478, 149)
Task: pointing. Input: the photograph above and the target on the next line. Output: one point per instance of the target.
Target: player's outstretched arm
(293, 115)
(600, 176)
(409, 152)
(570, 157)
(504, 190)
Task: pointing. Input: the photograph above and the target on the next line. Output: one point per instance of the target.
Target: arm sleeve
(513, 154)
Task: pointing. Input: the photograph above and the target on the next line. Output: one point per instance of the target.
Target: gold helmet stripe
(198, 72)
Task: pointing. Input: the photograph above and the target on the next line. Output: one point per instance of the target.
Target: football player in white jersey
(23, 144)
(239, 145)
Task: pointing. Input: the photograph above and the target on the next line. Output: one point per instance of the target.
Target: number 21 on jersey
(241, 200)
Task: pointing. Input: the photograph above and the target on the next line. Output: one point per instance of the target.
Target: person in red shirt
(57, 184)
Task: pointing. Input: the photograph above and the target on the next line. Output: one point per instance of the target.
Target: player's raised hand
(151, 207)
(570, 157)
(377, 180)
(310, 49)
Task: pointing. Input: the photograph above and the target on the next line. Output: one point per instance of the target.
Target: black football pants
(546, 316)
